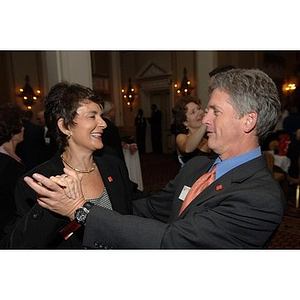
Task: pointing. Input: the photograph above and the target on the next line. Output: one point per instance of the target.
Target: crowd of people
(77, 199)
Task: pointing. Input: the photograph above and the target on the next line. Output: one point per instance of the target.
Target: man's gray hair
(108, 106)
(251, 90)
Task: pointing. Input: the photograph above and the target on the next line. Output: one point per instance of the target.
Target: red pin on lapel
(110, 179)
(219, 187)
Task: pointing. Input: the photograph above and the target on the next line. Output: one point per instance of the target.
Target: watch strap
(67, 231)
(88, 205)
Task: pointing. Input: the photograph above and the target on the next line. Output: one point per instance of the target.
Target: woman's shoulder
(8, 163)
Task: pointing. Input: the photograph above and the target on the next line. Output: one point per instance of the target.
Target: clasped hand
(61, 194)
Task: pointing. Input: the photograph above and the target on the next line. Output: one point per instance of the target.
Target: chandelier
(185, 88)
(129, 95)
(28, 95)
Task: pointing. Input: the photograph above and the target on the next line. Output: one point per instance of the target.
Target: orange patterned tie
(202, 183)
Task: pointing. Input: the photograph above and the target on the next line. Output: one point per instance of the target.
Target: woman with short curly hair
(73, 115)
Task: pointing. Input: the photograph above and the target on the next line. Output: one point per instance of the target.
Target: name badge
(184, 192)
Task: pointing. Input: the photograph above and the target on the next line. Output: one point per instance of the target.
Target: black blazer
(10, 171)
(241, 209)
(36, 227)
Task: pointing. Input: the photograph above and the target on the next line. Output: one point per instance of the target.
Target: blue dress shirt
(225, 166)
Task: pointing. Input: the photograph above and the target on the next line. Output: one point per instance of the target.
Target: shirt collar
(228, 164)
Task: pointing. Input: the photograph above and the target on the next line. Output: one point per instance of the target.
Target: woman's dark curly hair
(179, 113)
(62, 101)
(10, 121)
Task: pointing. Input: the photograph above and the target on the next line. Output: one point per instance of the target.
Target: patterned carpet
(157, 170)
(288, 233)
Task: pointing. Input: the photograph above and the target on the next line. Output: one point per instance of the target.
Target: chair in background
(279, 176)
(273, 145)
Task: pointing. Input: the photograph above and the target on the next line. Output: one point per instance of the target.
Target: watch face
(81, 214)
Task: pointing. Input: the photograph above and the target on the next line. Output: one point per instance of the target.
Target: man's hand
(52, 196)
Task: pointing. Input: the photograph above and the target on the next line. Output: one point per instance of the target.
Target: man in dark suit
(111, 136)
(49, 146)
(241, 208)
(156, 129)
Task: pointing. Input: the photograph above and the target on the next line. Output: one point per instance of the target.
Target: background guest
(292, 122)
(30, 149)
(293, 153)
(190, 140)
(11, 166)
(49, 146)
(140, 125)
(156, 129)
(111, 136)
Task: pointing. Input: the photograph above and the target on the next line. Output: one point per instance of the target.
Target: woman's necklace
(76, 169)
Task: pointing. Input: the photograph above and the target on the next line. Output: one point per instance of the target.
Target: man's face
(224, 130)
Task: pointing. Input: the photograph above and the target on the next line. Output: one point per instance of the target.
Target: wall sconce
(290, 86)
(129, 95)
(27, 94)
(185, 88)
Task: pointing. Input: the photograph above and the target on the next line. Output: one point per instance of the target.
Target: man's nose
(205, 119)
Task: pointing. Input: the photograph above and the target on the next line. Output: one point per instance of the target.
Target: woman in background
(73, 115)
(189, 129)
(11, 166)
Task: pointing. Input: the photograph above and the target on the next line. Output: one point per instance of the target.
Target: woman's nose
(102, 123)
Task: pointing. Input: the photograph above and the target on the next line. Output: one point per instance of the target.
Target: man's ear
(250, 121)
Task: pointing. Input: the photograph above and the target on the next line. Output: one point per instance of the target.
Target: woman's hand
(52, 196)
(70, 181)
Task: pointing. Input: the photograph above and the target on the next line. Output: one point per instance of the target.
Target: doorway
(162, 99)
(154, 86)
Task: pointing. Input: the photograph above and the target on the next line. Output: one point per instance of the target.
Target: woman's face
(88, 130)
(194, 115)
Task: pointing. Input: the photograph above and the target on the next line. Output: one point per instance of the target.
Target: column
(205, 62)
(71, 66)
(115, 80)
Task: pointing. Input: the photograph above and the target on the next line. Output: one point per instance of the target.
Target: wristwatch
(82, 212)
(80, 218)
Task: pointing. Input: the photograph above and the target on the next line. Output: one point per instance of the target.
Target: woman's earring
(69, 134)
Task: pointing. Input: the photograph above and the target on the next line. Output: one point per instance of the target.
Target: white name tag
(184, 192)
